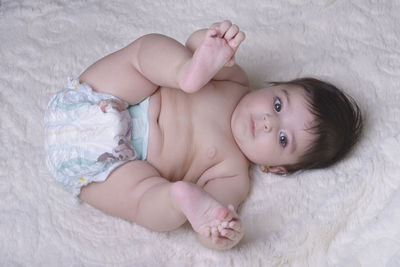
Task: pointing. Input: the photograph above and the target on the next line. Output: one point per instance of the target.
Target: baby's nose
(269, 122)
(266, 123)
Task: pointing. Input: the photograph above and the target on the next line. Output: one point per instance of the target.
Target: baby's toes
(231, 32)
(223, 27)
(237, 39)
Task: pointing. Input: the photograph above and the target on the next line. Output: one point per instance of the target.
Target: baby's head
(301, 124)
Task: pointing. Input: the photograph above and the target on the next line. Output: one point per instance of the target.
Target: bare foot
(216, 51)
(207, 216)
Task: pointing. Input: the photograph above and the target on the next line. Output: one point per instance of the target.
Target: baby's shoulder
(234, 163)
(230, 85)
(237, 164)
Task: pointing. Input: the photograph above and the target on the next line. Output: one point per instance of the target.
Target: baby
(159, 133)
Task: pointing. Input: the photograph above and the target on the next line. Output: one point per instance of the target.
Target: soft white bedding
(347, 215)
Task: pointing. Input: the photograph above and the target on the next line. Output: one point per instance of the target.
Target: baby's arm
(229, 190)
(231, 71)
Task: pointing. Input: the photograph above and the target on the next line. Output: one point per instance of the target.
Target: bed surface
(346, 215)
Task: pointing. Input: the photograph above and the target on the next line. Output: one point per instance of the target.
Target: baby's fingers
(228, 242)
(231, 234)
(235, 225)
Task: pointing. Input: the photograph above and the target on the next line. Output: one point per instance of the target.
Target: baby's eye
(277, 104)
(282, 139)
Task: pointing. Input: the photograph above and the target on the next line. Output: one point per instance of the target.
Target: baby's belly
(171, 148)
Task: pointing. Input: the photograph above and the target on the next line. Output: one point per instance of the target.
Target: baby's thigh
(116, 75)
(120, 193)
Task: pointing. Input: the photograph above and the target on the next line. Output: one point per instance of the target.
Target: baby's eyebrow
(293, 144)
(285, 92)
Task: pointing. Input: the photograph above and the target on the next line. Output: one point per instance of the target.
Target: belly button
(211, 152)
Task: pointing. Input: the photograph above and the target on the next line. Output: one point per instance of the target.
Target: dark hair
(338, 124)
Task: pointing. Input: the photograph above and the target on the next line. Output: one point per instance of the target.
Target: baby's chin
(249, 155)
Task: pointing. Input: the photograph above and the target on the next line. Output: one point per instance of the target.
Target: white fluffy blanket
(346, 215)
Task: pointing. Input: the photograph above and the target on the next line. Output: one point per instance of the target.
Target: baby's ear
(277, 169)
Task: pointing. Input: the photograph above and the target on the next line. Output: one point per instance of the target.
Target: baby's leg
(166, 62)
(136, 71)
(153, 60)
(115, 75)
(231, 71)
(215, 50)
(136, 192)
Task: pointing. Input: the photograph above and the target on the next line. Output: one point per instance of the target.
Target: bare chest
(190, 134)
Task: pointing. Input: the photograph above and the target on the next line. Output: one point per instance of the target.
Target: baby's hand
(217, 226)
(232, 34)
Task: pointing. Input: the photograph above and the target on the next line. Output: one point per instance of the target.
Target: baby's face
(269, 125)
